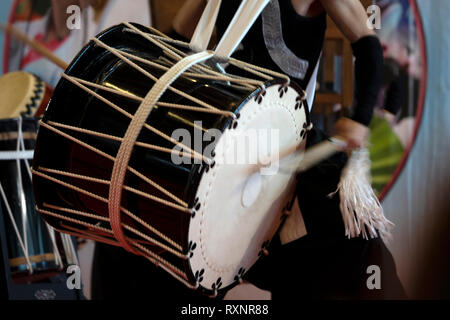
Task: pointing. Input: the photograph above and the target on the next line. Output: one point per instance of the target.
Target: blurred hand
(354, 133)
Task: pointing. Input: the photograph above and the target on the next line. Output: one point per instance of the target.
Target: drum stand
(55, 287)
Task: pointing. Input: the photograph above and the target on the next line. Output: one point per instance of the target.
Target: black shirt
(304, 36)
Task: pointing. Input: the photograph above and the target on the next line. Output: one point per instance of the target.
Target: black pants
(118, 274)
(325, 264)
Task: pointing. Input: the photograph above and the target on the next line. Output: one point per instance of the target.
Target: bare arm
(187, 18)
(349, 16)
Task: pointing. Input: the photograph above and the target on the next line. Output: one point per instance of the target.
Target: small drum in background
(32, 244)
(23, 94)
(206, 221)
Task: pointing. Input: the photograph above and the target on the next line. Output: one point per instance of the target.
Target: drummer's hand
(352, 132)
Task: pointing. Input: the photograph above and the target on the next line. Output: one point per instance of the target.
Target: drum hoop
(33, 93)
(18, 261)
(13, 135)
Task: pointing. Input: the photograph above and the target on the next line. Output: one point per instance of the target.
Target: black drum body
(71, 105)
(83, 193)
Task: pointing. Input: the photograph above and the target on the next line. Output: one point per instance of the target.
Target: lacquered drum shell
(73, 106)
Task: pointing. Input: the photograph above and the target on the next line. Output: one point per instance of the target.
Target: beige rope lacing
(93, 216)
(128, 115)
(161, 34)
(168, 267)
(158, 104)
(152, 77)
(164, 38)
(164, 264)
(192, 67)
(133, 130)
(80, 233)
(109, 157)
(119, 139)
(98, 233)
(107, 182)
(177, 54)
(97, 197)
(169, 50)
(249, 84)
(258, 70)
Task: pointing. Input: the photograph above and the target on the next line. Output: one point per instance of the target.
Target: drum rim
(252, 95)
(33, 94)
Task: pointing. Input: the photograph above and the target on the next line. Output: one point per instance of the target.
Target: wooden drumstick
(320, 152)
(36, 46)
(309, 158)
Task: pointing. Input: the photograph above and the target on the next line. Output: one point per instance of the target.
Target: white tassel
(361, 211)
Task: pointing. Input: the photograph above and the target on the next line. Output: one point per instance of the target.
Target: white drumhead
(240, 208)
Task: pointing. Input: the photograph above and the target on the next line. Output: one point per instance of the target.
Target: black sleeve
(368, 77)
(394, 96)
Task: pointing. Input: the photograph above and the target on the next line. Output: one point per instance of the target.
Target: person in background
(52, 23)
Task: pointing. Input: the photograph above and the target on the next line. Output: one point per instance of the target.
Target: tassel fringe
(361, 211)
